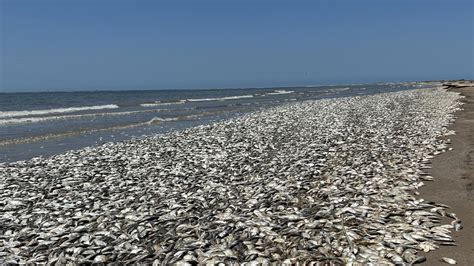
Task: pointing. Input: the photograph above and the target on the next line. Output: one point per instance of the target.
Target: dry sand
(454, 182)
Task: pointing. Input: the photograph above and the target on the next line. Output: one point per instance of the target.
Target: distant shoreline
(227, 88)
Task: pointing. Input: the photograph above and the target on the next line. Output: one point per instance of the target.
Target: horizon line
(227, 88)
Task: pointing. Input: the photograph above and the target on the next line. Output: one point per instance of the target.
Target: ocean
(48, 123)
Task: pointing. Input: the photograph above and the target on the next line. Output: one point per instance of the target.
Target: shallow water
(47, 123)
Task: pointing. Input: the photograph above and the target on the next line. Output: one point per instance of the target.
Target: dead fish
(448, 260)
(457, 224)
(331, 181)
(101, 259)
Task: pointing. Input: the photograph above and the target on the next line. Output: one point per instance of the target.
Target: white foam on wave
(64, 117)
(158, 103)
(9, 114)
(156, 120)
(339, 89)
(278, 92)
(221, 98)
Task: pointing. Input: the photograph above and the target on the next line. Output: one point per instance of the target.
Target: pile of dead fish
(329, 181)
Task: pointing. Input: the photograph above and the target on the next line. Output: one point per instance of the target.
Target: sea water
(47, 123)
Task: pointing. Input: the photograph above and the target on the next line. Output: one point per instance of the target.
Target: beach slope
(453, 172)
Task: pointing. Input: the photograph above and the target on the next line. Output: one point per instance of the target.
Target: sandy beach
(331, 180)
(236, 133)
(453, 173)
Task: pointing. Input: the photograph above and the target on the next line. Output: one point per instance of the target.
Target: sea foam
(278, 92)
(158, 103)
(221, 98)
(9, 114)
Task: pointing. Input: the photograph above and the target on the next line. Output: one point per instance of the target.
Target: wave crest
(154, 104)
(221, 98)
(9, 114)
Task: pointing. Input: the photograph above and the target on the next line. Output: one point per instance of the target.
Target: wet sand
(453, 172)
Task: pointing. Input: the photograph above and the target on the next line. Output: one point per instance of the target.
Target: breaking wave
(278, 92)
(339, 89)
(22, 120)
(156, 120)
(9, 114)
(158, 103)
(220, 98)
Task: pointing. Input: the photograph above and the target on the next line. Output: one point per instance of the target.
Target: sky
(143, 44)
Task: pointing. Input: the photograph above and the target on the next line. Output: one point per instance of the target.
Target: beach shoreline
(323, 181)
(453, 173)
(31, 125)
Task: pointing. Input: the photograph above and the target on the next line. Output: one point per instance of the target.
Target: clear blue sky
(117, 44)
